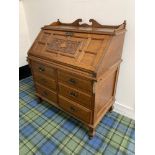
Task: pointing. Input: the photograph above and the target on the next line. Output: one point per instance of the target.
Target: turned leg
(111, 108)
(91, 132)
(40, 99)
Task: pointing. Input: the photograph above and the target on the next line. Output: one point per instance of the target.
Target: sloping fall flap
(79, 50)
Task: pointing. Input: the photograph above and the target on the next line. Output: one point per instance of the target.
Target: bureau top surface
(81, 46)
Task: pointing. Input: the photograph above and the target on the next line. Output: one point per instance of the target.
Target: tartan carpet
(45, 130)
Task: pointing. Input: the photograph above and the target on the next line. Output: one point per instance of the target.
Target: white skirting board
(124, 110)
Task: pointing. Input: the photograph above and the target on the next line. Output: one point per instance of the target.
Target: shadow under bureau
(75, 68)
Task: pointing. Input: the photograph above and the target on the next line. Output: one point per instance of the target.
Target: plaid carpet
(44, 130)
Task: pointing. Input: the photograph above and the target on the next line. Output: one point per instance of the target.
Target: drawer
(75, 95)
(78, 111)
(50, 95)
(43, 69)
(74, 81)
(45, 81)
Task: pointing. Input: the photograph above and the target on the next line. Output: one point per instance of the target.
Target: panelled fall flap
(76, 49)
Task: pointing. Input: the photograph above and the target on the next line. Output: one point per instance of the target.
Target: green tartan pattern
(45, 130)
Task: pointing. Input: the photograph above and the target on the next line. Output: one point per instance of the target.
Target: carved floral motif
(65, 46)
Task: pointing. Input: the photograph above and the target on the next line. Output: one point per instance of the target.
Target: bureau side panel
(104, 94)
(112, 55)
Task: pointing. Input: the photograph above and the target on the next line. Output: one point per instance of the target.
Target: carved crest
(93, 22)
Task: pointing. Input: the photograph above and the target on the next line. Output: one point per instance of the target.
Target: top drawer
(74, 81)
(43, 69)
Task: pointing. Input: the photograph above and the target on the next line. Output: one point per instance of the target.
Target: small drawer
(74, 81)
(43, 69)
(75, 95)
(44, 92)
(78, 111)
(45, 81)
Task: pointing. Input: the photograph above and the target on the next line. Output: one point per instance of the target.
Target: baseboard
(24, 72)
(124, 110)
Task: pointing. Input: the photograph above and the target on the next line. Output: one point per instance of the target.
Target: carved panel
(65, 46)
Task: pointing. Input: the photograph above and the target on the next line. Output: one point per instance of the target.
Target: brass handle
(41, 69)
(72, 109)
(72, 81)
(69, 33)
(73, 94)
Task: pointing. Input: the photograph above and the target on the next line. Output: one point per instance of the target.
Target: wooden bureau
(75, 68)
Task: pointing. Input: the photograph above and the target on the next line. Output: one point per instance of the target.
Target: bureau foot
(40, 99)
(111, 108)
(91, 132)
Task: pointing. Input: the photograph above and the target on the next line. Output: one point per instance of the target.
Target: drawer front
(74, 81)
(75, 95)
(43, 69)
(78, 111)
(46, 93)
(45, 81)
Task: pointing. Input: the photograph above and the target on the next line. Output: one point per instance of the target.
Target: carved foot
(91, 132)
(111, 108)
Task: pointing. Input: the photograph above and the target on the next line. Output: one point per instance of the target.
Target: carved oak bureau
(75, 68)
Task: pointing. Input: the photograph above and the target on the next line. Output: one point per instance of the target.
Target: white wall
(24, 42)
(41, 12)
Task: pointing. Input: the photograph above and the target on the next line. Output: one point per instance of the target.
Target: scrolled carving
(75, 23)
(94, 24)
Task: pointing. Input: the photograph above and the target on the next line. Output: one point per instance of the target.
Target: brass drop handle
(73, 94)
(41, 69)
(72, 81)
(72, 109)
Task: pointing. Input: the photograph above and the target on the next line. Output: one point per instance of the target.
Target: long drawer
(74, 81)
(50, 95)
(75, 109)
(43, 69)
(75, 95)
(45, 81)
